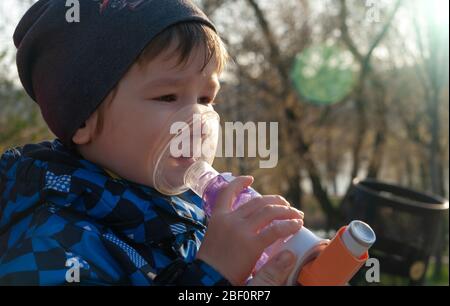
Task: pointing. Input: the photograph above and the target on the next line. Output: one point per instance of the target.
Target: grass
(442, 281)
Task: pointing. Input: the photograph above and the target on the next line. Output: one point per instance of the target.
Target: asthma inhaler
(336, 262)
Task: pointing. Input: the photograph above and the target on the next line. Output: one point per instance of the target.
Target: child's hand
(234, 240)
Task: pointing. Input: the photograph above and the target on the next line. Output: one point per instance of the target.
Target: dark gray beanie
(69, 68)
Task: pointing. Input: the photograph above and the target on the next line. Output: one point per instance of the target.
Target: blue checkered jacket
(65, 220)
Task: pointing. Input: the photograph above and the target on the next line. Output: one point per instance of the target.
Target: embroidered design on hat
(119, 4)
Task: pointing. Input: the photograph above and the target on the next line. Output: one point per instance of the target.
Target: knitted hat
(69, 68)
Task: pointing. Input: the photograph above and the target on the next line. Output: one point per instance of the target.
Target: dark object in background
(407, 224)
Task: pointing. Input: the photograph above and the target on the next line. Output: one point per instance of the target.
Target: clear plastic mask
(190, 135)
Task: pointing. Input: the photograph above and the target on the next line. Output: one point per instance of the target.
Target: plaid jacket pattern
(66, 221)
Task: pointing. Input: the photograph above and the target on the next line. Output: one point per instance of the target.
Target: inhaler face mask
(189, 136)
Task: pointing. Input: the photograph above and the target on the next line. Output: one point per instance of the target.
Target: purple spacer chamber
(219, 182)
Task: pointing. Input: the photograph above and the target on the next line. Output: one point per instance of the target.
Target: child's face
(145, 97)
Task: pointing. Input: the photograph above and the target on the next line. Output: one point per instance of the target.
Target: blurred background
(360, 91)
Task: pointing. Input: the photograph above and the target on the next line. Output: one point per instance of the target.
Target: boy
(81, 209)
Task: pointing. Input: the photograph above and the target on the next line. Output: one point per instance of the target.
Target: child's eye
(167, 98)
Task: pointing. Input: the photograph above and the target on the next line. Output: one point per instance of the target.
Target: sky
(10, 13)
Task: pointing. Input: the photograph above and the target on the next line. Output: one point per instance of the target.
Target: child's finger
(228, 194)
(269, 213)
(253, 205)
(278, 230)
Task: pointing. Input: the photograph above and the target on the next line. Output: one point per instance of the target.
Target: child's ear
(86, 132)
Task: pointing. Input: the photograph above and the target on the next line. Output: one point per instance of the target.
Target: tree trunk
(409, 172)
(295, 192)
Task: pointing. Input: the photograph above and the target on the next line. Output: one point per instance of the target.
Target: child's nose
(191, 101)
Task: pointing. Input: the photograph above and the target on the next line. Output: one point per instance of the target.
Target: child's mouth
(185, 160)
